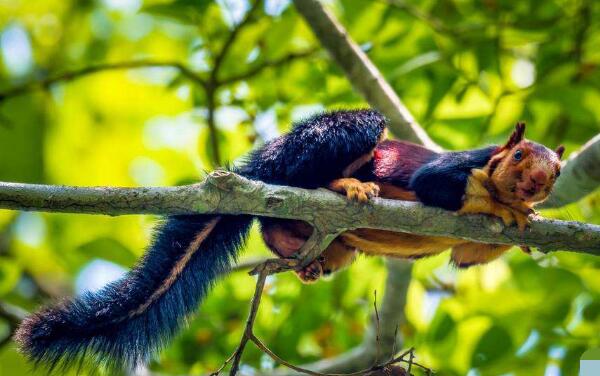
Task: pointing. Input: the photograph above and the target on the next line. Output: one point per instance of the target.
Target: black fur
(317, 150)
(99, 323)
(443, 181)
(98, 326)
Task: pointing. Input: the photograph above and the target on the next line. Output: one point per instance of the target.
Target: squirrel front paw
(486, 205)
(511, 215)
(354, 189)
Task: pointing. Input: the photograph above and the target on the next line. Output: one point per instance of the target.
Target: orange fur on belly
(387, 190)
(396, 244)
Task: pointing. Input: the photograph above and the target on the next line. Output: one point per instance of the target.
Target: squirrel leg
(286, 237)
(311, 272)
(337, 256)
(468, 254)
(354, 189)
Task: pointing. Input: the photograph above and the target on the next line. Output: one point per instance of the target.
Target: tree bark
(580, 175)
(227, 193)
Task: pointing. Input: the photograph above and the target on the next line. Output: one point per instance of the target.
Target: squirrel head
(522, 170)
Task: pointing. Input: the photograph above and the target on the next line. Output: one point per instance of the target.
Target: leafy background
(467, 69)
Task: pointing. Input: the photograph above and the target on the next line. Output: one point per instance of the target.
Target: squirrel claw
(361, 192)
(311, 273)
(506, 215)
(510, 215)
(355, 189)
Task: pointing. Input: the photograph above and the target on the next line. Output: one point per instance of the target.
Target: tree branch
(361, 72)
(78, 73)
(227, 193)
(580, 175)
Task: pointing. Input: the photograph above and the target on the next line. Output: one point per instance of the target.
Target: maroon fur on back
(396, 161)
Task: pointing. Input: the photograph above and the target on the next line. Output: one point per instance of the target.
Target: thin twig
(275, 357)
(260, 285)
(436, 24)
(411, 359)
(266, 268)
(266, 64)
(212, 126)
(78, 73)
(13, 316)
(220, 58)
(212, 85)
(395, 340)
(248, 264)
(11, 313)
(377, 329)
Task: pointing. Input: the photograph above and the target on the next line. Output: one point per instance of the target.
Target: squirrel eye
(557, 173)
(518, 155)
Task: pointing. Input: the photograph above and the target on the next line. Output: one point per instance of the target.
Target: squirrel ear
(516, 136)
(559, 151)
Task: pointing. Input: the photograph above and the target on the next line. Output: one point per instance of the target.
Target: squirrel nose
(539, 177)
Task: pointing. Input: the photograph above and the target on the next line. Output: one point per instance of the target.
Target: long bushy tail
(127, 321)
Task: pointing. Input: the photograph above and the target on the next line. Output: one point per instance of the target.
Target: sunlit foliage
(467, 69)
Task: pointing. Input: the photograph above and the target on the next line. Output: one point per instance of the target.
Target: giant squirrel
(129, 320)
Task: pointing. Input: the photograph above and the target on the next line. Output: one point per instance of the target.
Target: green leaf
(186, 11)
(493, 345)
(441, 86)
(22, 131)
(571, 359)
(591, 311)
(280, 35)
(10, 273)
(441, 326)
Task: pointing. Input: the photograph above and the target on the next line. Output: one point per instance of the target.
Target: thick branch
(78, 73)
(361, 72)
(579, 177)
(228, 193)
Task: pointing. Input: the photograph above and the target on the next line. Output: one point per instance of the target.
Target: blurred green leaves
(184, 11)
(468, 70)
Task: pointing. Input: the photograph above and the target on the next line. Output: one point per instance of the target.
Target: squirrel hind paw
(311, 273)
